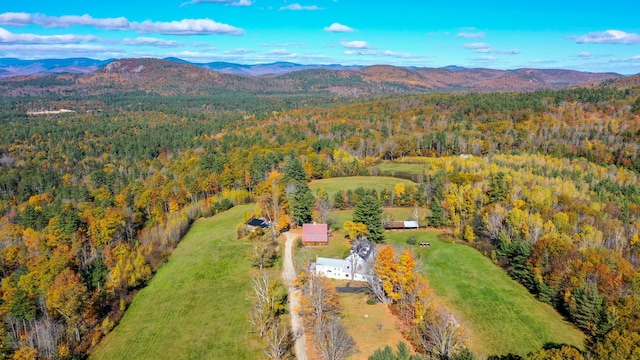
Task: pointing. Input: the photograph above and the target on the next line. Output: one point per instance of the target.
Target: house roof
(315, 233)
(411, 224)
(362, 248)
(401, 225)
(257, 222)
(339, 263)
(394, 225)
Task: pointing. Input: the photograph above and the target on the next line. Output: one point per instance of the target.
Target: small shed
(315, 234)
(401, 225)
(253, 224)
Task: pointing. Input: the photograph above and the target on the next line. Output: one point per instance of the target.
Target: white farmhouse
(357, 266)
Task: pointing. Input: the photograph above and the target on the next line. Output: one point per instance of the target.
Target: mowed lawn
(195, 307)
(379, 183)
(501, 315)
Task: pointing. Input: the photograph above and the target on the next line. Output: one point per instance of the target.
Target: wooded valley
(546, 184)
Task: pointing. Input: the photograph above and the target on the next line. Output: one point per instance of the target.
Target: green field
(333, 185)
(391, 168)
(500, 314)
(195, 307)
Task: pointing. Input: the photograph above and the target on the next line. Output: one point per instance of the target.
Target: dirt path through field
(289, 274)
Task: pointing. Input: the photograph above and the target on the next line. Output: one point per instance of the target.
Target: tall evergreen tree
(338, 200)
(498, 188)
(587, 310)
(436, 219)
(369, 212)
(293, 170)
(302, 204)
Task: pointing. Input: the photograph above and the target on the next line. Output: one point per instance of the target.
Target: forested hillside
(92, 202)
(174, 77)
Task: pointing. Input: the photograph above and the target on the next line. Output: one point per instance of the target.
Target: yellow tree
(67, 297)
(386, 269)
(355, 229)
(271, 200)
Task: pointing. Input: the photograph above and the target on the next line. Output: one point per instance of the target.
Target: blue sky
(580, 35)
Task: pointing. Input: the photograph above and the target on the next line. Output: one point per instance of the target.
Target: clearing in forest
(379, 183)
(195, 307)
(501, 316)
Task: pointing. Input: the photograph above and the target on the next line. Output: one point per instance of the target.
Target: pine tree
(302, 204)
(437, 219)
(338, 200)
(293, 170)
(587, 310)
(369, 212)
(497, 188)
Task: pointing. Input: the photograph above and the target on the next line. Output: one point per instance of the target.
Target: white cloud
(182, 27)
(477, 47)
(298, 7)
(239, 51)
(584, 55)
(192, 55)
(385, 53)
(396, 54)
(633, 60)
(41, 51)
(338, 28)
(7, 37)
(23, 19)
(468, 35)
(608, 37)
(146, 41)
(281, 52)
(485, 59)
(223, 2)
(293, 44)
(356, 44)
(506, 52)
(484, 48)
(187, 27)
(15, 19)
(360, 52)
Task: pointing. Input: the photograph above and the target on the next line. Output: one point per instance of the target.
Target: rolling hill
(167, 77)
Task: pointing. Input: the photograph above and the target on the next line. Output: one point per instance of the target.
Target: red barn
(315, 234)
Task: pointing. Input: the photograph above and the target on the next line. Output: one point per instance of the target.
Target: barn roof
(316, 233)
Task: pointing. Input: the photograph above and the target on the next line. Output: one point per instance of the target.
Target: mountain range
(174, 76)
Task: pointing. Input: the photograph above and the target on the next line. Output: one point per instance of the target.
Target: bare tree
(259, 316)
(272, 206)
(324, 210)
(320, 300)
(493, 221)
(377, 291)
(279, 341)
(267, 303)
(333, 342)
(417, 214)
(441, 335)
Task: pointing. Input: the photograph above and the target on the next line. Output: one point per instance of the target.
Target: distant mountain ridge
(177, 76)
(16, 67)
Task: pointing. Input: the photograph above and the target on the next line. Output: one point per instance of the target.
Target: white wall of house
(342, 269)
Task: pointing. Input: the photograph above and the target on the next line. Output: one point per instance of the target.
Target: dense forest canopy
(93, 201)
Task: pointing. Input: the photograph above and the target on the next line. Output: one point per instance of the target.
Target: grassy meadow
(379, 183)
(391, 168)
(500, 315)
(195, 307)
